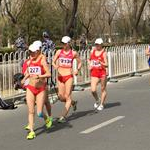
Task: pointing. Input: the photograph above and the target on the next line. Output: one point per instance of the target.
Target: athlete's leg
(40, 100)
(94, 83)
(61, 91)
(47, 103)
(74, 105)
(48, 107)
(68, 91)
(103, 90)
(30, 99)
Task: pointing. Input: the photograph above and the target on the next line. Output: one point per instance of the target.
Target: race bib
(36, 70)
(95, 64)
(65, 62)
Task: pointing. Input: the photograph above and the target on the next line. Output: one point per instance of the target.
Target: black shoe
(74, 105)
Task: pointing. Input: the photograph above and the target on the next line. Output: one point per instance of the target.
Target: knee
(67, 97)
(93, 92)
(40, 115)
(103, 89)
(61, 97)
(31, 112)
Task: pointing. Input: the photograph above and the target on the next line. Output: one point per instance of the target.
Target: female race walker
(98, 69)
(63, 62)
(24, 68)
(37, 72)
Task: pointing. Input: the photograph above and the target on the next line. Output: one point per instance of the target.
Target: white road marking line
(89, 130)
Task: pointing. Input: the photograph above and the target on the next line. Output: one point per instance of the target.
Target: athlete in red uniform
(63, 61)
(47, 103)
(37, 72)
(98, 69)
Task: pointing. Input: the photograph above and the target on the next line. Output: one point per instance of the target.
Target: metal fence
(122, 60)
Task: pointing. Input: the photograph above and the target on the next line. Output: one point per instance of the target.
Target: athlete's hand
(35, 77)
(89, 66)
(22, 82)
(76, 72)
(100, 60)
(56, 67)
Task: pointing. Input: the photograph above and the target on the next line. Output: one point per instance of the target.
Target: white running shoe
(100, 107)
(95, 105)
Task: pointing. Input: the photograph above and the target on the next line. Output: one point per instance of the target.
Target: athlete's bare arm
(55, 59)
(105, 63)
(79, 63)
(46, 68)
(26, 75)
(89, 60)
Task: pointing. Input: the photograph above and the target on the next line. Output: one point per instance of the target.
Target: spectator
(48, 44)
(20, 44)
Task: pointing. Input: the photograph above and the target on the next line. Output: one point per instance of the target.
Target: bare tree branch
(21, 8)
(11, 16)
(140, 12)
(62, 5)
(69, 20)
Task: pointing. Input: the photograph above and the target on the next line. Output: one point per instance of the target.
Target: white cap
(35, 46)
(38, 43)
(99, 41)
(66, 39)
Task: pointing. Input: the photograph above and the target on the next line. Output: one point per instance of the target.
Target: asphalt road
(124, 124)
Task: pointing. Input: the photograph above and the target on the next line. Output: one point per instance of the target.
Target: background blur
(116, 21)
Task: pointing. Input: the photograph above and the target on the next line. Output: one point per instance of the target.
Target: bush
(58, 47)
(6, 50)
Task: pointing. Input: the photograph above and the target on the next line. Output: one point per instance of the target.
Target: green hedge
(6, 50)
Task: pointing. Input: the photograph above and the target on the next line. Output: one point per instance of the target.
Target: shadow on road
(58, 126)
(109, 105)
(55, 127)
(80, 114)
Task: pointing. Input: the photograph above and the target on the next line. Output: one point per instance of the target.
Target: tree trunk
(69, 21)
(110, 33)
(70, 26)
(137, 17)
(87, 32)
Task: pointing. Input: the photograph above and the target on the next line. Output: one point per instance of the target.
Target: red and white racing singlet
(66, 60)
(35, 68)
(95, 60)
